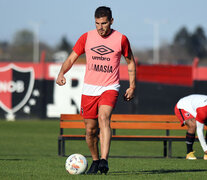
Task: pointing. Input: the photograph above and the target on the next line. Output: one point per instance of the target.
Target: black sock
(190, 138)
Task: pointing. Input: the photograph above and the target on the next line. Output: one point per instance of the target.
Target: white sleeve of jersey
(200, 128)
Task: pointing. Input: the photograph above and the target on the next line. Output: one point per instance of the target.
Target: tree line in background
(22, 48)
(184, 48)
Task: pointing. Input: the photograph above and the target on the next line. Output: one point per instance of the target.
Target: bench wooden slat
(73, 135)
(125, 125)
(71, 117)
(127, 136)
(144, 117)
(141, 136)
(126, 117)
(76, 125)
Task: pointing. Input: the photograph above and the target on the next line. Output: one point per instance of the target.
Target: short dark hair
(103, 11)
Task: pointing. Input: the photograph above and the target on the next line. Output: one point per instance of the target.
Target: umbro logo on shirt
(102, 50)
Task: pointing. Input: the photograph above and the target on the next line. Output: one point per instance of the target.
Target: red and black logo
(102, 50)
(187, 114)
(16, 85)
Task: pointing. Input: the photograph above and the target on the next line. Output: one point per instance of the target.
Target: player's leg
(190, 137)
(92, 137)
(106, 104)
(105, 135)
(92, 142)
(105, 129)
(89, 111)
(187, 119)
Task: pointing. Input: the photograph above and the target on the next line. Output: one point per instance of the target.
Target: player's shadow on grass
(16, 159)
(160, 171)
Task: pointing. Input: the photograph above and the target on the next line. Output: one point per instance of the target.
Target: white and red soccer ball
(76, 164)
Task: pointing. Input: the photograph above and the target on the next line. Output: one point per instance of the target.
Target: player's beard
(103, 32)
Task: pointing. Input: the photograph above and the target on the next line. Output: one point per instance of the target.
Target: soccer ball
(76, 164)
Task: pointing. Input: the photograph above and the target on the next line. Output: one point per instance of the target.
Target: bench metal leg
(59, 147)
(63, 148)
(170, 148)
(165, 148)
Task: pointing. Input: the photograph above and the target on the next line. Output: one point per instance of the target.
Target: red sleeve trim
(125, 45)
(79, 47)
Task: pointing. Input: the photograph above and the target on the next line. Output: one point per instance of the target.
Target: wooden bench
(127, 122)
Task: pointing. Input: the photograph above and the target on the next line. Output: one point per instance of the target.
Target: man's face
(103, 26)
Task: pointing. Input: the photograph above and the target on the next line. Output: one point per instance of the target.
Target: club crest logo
(16, 85)
(187, 114)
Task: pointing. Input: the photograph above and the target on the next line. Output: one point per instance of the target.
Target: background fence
(29, 89)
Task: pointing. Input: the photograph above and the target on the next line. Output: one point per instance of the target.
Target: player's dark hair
(103, 11)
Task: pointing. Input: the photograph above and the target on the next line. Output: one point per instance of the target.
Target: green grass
(28, 150)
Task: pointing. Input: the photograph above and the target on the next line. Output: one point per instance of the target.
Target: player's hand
(205, 152)
(129, 95)
(61, 80)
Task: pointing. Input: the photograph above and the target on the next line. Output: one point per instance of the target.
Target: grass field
(28, 150)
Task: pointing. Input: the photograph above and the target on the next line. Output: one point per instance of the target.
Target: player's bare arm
(68, 63)
(200, 129)
(132, 76)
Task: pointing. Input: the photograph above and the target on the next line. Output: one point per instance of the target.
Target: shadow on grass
(160, 171)
(138, 157)
(16, 159)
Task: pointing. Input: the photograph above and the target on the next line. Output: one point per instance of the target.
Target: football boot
(94, 167)
(103, 166)
(191, 156)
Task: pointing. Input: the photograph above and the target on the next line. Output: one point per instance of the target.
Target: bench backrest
(127, 121)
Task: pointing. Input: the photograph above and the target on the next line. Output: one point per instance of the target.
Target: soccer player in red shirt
(103, 47)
